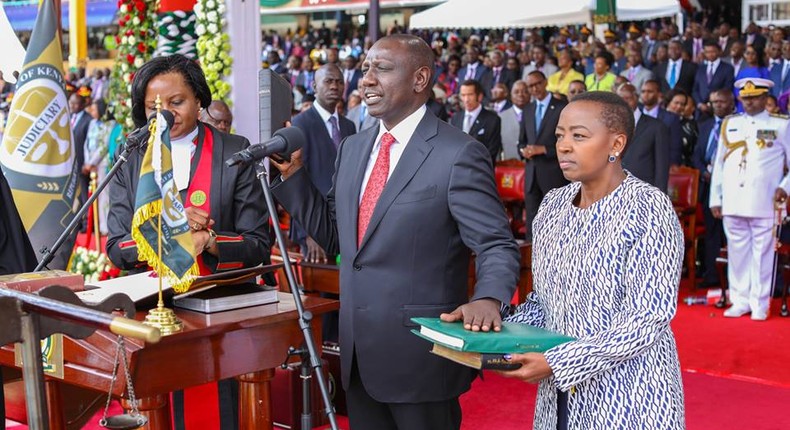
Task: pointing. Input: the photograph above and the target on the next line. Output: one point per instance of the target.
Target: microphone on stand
(284, 142)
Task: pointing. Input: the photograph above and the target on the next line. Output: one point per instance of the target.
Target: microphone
(139, 136)
(284, 142)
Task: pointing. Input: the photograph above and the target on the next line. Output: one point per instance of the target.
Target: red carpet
(738, 348)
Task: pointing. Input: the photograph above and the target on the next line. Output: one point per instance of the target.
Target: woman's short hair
(176, 63)
(616, 115)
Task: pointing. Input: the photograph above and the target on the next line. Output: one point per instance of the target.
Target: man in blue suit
(780, 73)
(723, 103)
(473, 69)
(713, 75)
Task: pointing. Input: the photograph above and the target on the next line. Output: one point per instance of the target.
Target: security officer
(748, 179)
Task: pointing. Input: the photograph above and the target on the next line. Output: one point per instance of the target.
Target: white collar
(545, 100)
(188, 138)
(714, 63)
(651, 112)
(323, 113)
(475, 112)
(679, 62)
(637, 115)
(403, 131)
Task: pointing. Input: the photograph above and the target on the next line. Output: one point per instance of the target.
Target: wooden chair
(509, 175)
(683, 191)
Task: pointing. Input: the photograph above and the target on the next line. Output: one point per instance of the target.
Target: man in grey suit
(539, 63)
(636, 73)
(410, 199)
(361, 118)
(511, 120)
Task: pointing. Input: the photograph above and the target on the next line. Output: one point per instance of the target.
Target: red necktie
(375, 185)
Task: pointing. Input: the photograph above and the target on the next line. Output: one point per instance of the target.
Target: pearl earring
(612, 158)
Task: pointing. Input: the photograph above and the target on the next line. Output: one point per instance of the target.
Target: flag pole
(161, 317)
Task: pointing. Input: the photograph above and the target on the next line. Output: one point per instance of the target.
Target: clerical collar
(188, 138)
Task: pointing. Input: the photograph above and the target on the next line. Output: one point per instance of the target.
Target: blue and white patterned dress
(608, 275)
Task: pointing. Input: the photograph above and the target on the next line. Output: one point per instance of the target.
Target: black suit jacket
(723, 78)
(647, 153)
(352, 83)
(439, 202)
(542, 170)
(318, 155)
(672, 121)
(236, 205)
(685, 79)
(487, 129)
(698, 157)
(758, 43)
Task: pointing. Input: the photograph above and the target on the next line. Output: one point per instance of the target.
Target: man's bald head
(329, 86)
(219, 115)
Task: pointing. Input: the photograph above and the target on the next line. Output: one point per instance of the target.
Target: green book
(513, 338)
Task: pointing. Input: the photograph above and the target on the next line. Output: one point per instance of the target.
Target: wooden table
(246, 343)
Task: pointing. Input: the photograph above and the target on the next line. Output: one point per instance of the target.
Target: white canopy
(533, 13)
(13, 53)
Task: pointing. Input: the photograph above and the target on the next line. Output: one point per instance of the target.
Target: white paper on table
(138, 287)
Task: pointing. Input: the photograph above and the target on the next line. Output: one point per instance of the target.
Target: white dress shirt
(325, 115)
(637, 115)
(471, 117)
(679, 63)
(402, 134)
(183, 149)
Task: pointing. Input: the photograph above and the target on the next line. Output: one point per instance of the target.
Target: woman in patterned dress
(607, 255)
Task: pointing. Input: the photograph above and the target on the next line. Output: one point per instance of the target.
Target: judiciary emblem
(198, 198)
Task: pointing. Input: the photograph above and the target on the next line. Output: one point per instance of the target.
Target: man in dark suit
(676, 73)
(538, 146)
(477, 121)
(753, 37)
(704, 153)
(324, 129)
(80, 121)
(351, 75)
(695, 45)
(646, 155)
(473, 69)
(410, 198)
(713, 75)
(499, 73)
(650, 97)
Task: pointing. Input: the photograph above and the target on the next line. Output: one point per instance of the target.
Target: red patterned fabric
(376, 182)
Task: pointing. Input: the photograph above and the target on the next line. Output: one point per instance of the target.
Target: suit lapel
(321, 124)
(477, 124)
(529, 112)
(410, 161)
(550, 110)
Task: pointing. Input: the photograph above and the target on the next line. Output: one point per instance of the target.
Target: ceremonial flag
(37, 154)
(156, 190)
(605, 12)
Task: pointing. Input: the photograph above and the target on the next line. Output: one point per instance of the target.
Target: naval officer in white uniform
(748, 181)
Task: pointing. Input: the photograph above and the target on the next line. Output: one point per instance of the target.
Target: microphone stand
(49, 253)
(304, 316)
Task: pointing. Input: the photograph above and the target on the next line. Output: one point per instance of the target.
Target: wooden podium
(246, 343)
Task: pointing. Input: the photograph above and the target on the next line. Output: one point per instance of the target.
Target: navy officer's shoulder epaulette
(779, 115)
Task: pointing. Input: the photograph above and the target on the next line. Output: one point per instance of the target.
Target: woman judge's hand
(534, 367)
(198, 219)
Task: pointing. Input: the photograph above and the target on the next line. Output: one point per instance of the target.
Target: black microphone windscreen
(169, 118)
(294, 138)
